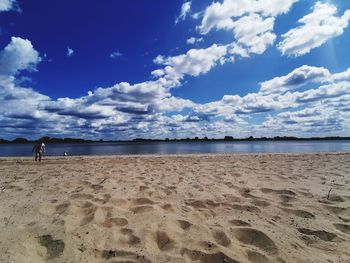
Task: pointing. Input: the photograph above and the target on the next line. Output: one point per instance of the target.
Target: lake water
(180, 148)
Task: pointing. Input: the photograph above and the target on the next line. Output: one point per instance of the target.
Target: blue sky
(156, 69)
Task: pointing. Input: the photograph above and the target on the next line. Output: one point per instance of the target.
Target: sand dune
(195, 208)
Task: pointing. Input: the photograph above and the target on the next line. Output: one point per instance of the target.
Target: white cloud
(250, 21)
(315, 121)
(194, 40)
(70, 52)
(272, 7)
(7, 5)
(18, 55)
(254, 32)
(172, 104)
(341, 76)
(148, 109)
(317, 27)
(185, 9)
(115, 54)
(221, 15)
(298, 77)
(194, 62)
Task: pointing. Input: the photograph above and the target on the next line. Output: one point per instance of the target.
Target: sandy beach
(187, 208)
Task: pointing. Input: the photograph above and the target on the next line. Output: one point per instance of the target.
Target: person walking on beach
(39, 149)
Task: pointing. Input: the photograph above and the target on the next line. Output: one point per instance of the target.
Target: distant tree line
(195, 139)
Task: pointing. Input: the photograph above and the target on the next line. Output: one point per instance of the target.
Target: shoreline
(51, 157)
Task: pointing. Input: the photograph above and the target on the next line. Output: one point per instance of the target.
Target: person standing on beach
(39, 149)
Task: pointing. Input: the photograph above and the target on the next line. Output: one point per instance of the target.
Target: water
(180, 148)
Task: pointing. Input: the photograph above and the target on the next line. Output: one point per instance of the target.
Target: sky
(174, 69)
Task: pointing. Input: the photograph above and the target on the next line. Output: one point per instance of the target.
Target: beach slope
(187, 208)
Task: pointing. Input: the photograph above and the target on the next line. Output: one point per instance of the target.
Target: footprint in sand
(340, 211)
(102, 200)
(142, 201)
(124, 256)
(299, 213)
(321, 234)
(256, 257)
(184, 224)
(195, 203)
(167, 207)
(343, 228)
(13, 187)
(114, 221)
(163, 241)
(199, 256)
(141, 209)
(236, 222)
(129, 237)
(58, 222)
(256, 238)
(338, 198)
(54, 248)
(286, 198)
(247, 208)
(88, 210)
(82, 196)
(61, 208)
(221, 238)
(260, 203)
(280, 192)
(143, 188)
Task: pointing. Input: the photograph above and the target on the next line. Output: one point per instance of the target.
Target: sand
(185, 208)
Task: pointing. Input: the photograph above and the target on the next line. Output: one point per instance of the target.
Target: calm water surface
(179, 148)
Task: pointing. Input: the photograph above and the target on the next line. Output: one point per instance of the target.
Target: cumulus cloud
(250, 21)
(222, 15)
(298, 77)
(194, 62)
(316, 121)
(317, 27)
(173, 104)
(185, 9)
(255, 32)
(311, 99)
(331, 93)
(332, 90)
(70, 52)
(18, 55)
